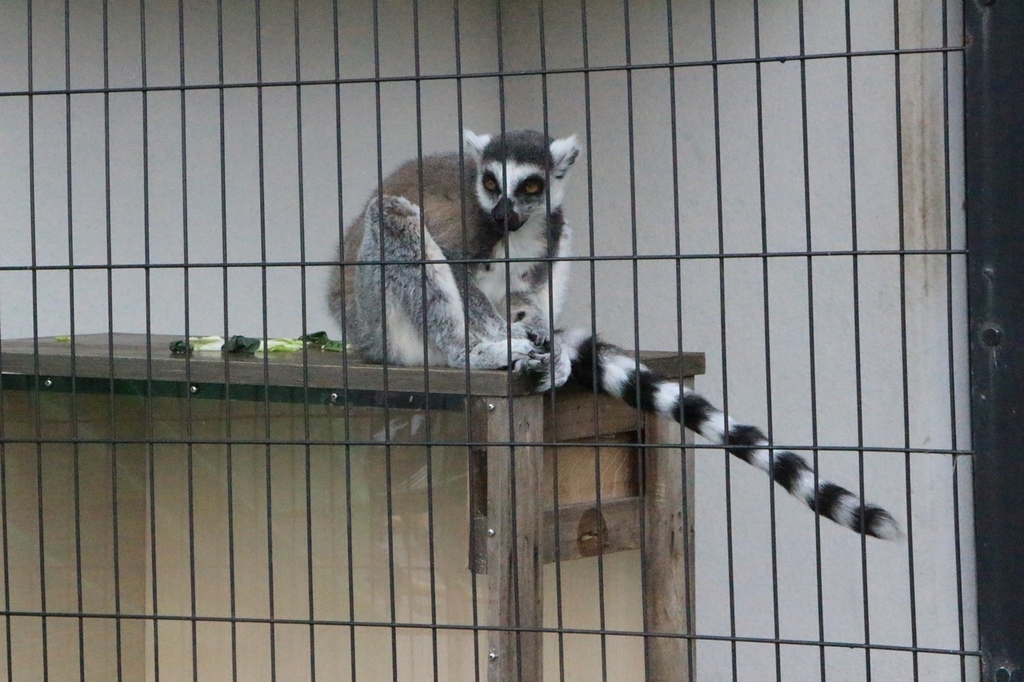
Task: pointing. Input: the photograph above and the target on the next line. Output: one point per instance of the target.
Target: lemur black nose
(504, 213)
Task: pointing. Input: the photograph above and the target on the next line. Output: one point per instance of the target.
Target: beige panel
(202, 542)
(70, 562)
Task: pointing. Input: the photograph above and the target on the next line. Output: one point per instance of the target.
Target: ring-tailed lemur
(456, 236)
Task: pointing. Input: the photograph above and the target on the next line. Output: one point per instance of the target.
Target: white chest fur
(529, 242)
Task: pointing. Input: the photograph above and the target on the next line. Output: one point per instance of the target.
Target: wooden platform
(138, 357)
(552, 477)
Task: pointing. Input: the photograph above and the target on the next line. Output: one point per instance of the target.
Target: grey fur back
(442, 185)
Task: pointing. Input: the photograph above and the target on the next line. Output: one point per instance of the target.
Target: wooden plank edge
(146, 358)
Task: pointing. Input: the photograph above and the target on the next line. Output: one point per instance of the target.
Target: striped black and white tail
(607, 367)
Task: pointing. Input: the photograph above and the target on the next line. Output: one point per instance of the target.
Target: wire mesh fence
(765, 203)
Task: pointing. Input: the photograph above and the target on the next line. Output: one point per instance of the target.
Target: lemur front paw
(541, 339)
(395, 207)
(558, 372)
(399, 206)
(534, 330)
(527, 358)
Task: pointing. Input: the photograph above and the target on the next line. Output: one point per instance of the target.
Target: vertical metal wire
(4, 521)
(592, 263)
(37, 427)
(905, 378)
(229, 488)
(552, 396)
(112, 400)
(720, 207)
(591, 251)
(388, 474)
(150, 414)
(428, 421)
(950, 348)
(186, 276)
(686, 492)
(343, 391)
(264, 295)
(73, 404)
(811, 336)
(303, 302)
(766, 311)
(464, 213)
(635, 282)
(858, 357)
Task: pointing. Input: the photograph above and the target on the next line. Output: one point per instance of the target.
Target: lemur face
(521, 175)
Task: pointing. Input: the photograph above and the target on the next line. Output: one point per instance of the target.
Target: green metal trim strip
(243, 392)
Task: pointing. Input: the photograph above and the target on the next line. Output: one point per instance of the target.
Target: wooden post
(667, 551)
(515, 515)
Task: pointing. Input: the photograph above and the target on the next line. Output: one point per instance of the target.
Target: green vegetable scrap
(203, 343)
(242, 344)
(249, 344)
(279, 344)
(323, 342)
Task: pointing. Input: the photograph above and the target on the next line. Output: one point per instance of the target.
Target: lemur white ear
(475, 144)
(563, 154)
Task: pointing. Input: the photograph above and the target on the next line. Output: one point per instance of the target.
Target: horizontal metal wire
(471, 261)
(503, 74)
(465, 443)
(456, 627)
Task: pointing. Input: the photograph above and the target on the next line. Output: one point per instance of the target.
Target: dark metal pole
(994, 138)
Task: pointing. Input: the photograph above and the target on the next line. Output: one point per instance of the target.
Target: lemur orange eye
(490, 184)
(533, 186)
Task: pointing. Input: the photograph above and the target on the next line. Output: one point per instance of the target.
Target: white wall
(720, 306)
